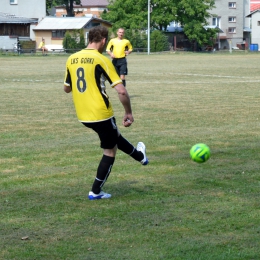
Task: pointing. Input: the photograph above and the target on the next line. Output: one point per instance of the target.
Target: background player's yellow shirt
(118, 47)
(42, 44)
(86, 72)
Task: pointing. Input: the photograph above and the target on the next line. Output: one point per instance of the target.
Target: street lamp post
(148, 29)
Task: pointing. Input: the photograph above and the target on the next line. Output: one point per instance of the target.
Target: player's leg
(123, 79)
(115, 63)
(103, 171)
(138, 153)
(107, 132)
(123, 70)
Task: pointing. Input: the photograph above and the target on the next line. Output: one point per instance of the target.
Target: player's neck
(96, 46)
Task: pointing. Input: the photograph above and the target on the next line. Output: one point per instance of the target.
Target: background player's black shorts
(107, 132)
(120, 66)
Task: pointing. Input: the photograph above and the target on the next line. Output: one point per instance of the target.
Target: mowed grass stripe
(171, 209)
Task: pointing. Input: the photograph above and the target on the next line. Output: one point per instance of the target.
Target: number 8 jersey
(86, 72)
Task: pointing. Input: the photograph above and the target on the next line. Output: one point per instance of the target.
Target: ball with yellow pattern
(200, 153)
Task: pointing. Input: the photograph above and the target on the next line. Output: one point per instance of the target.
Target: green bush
(138, 39)
(74, 41)
(158, 41)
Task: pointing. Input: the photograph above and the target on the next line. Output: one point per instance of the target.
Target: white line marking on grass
(210, 82)
(25, 69)
(175, 82)
(34, 80)
(197, 75)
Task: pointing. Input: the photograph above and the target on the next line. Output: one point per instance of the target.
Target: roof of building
(254, 5)
(11, 18)
(66, 23)
(255, 11)
(94, 2)
(89, 3)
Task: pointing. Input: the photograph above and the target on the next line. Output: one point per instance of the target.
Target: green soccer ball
(200, 153)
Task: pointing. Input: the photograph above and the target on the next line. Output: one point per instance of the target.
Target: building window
(13, 2)
(231, 29)
(232, 19)
(58, 34)
(216, 21)
(258, 23)
(232, 5)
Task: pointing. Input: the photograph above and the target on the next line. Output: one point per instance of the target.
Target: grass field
(171, 209)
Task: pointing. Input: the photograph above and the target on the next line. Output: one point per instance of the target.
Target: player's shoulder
(126, 40)
(74, 56)
(112, 40)
(104, 58)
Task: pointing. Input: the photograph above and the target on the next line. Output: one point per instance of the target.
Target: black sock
(124, 83)
(129, 149)
(103, 172)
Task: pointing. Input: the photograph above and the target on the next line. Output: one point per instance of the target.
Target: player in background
(43, 47)
(86, 72)
(118, 48)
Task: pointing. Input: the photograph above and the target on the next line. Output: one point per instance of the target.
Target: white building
(230, 17)
(255, 26)
(33, 9)
(24, 8)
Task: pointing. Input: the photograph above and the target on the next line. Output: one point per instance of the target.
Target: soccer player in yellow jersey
(118, 48)
(43, 48)
(86, 72)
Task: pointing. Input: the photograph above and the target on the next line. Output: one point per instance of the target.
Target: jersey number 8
(81, 82)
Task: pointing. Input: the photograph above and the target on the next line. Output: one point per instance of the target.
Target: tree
(163, 12)
(69, 6)
(74, 41)
(67, 3)
(192, 14)
(129, 14)
(159, 41)
(137, 38)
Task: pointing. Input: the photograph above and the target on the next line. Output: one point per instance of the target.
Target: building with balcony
(230, 17)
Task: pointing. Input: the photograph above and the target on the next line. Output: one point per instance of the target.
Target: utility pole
(148, 29)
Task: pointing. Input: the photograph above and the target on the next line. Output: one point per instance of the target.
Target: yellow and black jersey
(118, 47)
(86, 72)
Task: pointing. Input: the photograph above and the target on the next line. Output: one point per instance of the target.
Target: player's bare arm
(127, 52)
(111, 54)
(125, 100)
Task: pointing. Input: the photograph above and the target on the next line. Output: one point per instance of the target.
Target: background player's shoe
(141, 147)
(101, 195)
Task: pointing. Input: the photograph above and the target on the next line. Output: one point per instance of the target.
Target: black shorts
(120, 66)
(107, 132)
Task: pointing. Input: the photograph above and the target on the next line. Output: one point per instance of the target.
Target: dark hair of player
(97, 33)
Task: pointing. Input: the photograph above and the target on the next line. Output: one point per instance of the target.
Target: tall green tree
(68, 4)
(192, 14)
(162, 13)
(129, 14)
